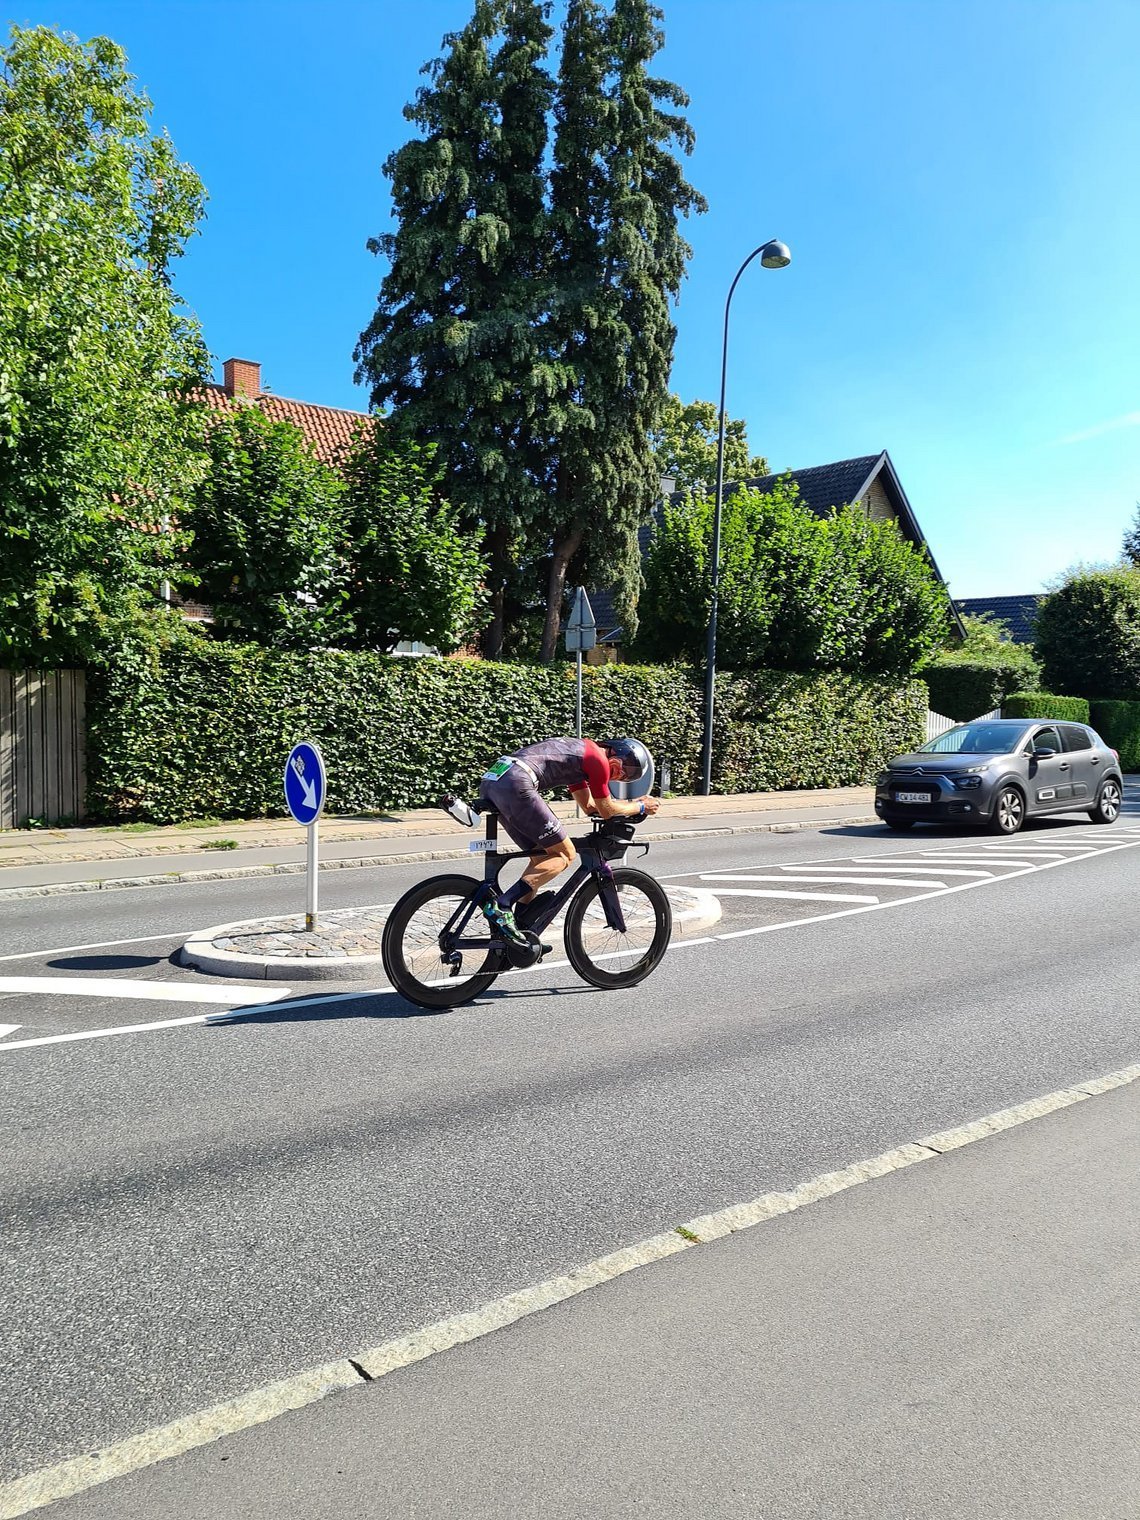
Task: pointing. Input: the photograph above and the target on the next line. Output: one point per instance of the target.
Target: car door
(1050, 779)
(1084, 761)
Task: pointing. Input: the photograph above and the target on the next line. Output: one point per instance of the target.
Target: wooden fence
(43, 746)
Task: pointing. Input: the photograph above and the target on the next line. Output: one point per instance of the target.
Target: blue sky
(956, 181)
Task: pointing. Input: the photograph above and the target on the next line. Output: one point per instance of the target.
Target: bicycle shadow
(370, 1003)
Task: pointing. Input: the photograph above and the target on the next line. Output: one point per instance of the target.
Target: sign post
(581, 634)
(305, 790)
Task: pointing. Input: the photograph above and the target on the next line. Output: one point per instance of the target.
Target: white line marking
(75, 1475)
(124, 987)
(977, 860)
(854, 881)
(7, 1029)
(98, 1034)
(798, 896)
(914, 868)
(103, 944)
(1000, 853)
(906, 902)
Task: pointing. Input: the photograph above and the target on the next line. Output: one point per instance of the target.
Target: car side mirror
(1044, 753)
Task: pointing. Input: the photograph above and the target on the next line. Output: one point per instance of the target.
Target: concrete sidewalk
(956, 1338)
(45, 861)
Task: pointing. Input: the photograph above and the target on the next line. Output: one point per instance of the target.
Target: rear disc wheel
(414, 957)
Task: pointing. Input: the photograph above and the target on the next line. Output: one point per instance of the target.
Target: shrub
(1088, 634)
(796, 591)
(203, 727)
(1040, 704)
(974, 678)
(1118, 724)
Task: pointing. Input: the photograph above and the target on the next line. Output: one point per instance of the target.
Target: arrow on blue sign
(305, 783)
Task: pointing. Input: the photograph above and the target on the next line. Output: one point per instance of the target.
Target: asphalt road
(193, 1211)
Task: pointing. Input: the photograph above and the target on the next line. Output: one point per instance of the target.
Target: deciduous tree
(685, 447)
(269, 527)
(413, 572)
(97, 354)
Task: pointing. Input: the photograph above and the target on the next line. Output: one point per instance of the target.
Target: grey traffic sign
(305, 783)
(582, 629)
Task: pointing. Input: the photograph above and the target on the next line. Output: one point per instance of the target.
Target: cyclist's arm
(613, 807)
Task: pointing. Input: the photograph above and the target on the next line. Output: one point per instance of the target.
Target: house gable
(869, 481)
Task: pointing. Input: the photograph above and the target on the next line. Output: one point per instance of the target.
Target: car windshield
(971, 739)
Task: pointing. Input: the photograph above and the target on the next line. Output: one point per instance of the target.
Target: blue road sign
(305, 782)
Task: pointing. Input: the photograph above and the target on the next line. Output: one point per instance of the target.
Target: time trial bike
(440, 951)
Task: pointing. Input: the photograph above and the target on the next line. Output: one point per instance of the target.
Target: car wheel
(1009, 811)
(1107, 809)
(899, 823)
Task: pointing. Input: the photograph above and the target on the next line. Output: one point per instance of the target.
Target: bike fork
(611, 903)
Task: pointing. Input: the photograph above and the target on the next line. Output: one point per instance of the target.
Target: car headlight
(967, 781)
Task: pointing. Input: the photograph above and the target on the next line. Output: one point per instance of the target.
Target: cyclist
(514, 786)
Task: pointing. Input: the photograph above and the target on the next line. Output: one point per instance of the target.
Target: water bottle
(459, 810)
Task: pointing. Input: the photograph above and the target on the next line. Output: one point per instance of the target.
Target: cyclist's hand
(650, 804)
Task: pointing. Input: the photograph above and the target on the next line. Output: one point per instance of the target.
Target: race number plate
(480, 846)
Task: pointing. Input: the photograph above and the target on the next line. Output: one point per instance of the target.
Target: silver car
(996, 772)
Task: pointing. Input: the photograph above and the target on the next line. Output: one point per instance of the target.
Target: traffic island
(345, 945)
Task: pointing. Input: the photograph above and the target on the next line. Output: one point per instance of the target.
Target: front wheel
(1107, 809)
(415, 957)
(1009, 811)
(611, 958)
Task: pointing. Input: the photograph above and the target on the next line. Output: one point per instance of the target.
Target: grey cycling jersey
(571, 763)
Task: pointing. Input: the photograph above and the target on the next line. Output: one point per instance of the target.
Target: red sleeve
(596, 768)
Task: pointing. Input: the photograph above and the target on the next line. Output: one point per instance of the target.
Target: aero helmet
(635, 758)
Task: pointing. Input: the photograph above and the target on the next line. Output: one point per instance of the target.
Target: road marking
(7, 1029)
(160, 1443)
(854, 881)
(921, 870)
(131, 987)
(799, 896)
(103, 944)
(978, 860)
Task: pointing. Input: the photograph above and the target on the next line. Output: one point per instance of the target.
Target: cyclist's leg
(545, 865)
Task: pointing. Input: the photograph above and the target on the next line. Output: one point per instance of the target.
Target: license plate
(912, 797)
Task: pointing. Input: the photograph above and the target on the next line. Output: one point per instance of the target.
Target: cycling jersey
(572, 763)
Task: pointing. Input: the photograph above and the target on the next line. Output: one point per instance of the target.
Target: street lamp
(772, 255)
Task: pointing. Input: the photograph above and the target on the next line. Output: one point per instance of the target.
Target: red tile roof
(330, 429)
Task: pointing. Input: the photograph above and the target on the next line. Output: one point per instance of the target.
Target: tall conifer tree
(454, 347)
(525, 320)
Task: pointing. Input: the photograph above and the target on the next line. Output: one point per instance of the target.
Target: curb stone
(417, 857)
(201, 952)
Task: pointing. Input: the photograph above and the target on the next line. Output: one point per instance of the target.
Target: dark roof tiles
(1016, 612)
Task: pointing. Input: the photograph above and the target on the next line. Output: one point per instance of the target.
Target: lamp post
(772, 255)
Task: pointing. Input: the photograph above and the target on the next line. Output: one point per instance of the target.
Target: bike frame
(591, 862)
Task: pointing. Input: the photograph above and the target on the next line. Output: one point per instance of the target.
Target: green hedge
(777, 730)
(204, 729)
(1118, 724)
(1040, 704)
(964, 689)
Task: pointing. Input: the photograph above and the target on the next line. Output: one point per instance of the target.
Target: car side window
(1047, 738)
(1075, 737)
